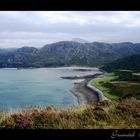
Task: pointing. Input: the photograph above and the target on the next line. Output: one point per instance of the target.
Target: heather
(123, 113)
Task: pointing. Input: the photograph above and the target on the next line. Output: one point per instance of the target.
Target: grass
(118, 84)
(103, 84)
(107, 114)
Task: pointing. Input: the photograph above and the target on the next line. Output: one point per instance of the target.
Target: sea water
(36, 87)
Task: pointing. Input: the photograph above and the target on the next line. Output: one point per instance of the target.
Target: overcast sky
(37, 28)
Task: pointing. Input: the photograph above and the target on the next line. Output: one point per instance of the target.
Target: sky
(38, 28)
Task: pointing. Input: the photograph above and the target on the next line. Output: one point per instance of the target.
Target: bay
(36, 87)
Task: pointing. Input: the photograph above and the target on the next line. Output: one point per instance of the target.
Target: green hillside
(130, 63)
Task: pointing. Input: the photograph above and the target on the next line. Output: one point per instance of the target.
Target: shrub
(100, 115)
(18, 121)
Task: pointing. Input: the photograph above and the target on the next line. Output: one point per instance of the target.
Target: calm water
(26, 87)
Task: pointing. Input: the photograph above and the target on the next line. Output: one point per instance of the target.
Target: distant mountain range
(66, 53)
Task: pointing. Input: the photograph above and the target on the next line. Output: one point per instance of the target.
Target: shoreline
(75, 68)
(83, 94)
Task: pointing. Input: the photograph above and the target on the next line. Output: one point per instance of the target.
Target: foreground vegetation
(119, 84)
(115, 114)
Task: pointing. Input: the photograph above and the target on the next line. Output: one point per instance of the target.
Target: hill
(130, 63)
(66, 53)
(91, 54)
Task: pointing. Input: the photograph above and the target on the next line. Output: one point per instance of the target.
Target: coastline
(75, 68)
(83, 94)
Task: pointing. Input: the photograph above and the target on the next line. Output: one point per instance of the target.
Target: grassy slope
(116, 114)
(119, 84)
(102, 84)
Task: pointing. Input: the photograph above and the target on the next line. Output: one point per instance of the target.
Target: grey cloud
(39, 28)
